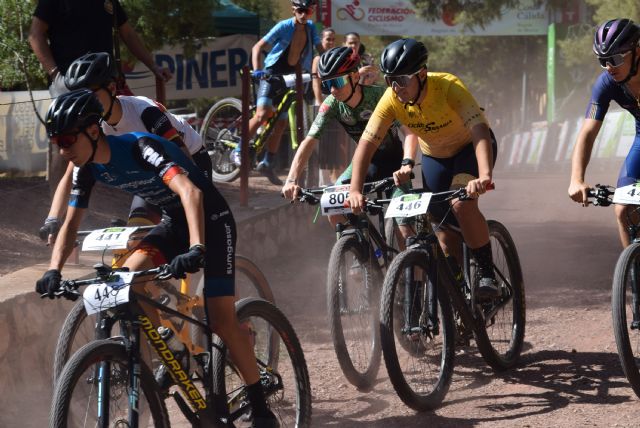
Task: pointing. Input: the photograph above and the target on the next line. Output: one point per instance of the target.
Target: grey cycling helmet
(90, 71)
(615, 36)
(72, 110)
(337, 62)
(303, 3)
(404, 56)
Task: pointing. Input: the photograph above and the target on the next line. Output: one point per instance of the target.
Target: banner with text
(214, 71)
(400, 17)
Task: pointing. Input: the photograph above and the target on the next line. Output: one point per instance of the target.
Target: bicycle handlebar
(602, 194)
(311, 195)
(69, 287)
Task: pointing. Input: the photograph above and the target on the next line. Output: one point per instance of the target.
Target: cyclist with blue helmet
(616, 46)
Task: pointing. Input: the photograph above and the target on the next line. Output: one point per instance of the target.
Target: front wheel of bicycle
(281, 364)
(505, 316)
(221, 133)
(416, 331)
(354, 280)
(625, 307)
(100, 371)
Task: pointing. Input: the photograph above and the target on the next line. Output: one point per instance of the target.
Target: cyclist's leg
(219, 293)
(437, 176)
(629, 174)
(473, 225)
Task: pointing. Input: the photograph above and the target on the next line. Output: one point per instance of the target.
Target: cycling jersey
(280, 36)
(142, 113)
(143, 164)
(442, 121)
(354, 120)
(605, 90)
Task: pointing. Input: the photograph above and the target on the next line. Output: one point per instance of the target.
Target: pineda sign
(214, 71)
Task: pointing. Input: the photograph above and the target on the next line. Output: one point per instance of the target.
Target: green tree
(16, 58)
(268, 12)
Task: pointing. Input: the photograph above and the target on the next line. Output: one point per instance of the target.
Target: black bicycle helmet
(404, 56)
(337, 62)
(90, 70)
(615, 36)
(72, 110)
(303, 3)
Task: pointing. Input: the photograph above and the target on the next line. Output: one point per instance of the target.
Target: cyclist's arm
(580, 159)
(484, 156)
(409, 149)
(191, 198)
(157, 122)
(66, 238)
(256, 52)
(61, 196)
(300, 160)
(360, 163)
(137, 48)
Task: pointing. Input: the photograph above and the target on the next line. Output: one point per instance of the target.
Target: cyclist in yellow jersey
(458, 148)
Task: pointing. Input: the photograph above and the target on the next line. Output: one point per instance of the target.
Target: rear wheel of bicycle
(625, 307)
(281, 363)
(221, 133)
(505, 317)
(417, 341)
(354, 280)
(104, 363)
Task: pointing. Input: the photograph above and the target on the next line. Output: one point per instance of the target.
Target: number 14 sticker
(408, 205)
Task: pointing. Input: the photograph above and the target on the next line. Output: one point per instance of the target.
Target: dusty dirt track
(569, 374)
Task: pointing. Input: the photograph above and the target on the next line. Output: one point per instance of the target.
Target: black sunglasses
(614, 60)
(64, 141)
(305, 10)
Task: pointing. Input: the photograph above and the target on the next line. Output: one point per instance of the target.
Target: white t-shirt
(139, 114)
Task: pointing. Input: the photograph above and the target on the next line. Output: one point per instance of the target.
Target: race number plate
(111, 238)
(334, 200)
(98, 297)
(408, 205)
(629, 195)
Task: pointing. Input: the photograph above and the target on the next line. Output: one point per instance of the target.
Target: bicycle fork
(420, 302)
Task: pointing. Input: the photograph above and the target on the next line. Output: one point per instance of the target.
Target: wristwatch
(408, 161)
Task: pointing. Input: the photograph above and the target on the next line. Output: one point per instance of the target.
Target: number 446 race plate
(408, 205)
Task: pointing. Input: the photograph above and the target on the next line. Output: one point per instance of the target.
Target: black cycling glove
(51, 227)
(188, 262)
(49, 283)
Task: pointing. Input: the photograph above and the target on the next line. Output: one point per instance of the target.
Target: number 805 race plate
(334, 200)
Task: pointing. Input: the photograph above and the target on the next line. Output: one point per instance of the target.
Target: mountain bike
(80, 328)
(108, 383)
(221, 129)
(428, 304)
(357, 263)
(625, 296)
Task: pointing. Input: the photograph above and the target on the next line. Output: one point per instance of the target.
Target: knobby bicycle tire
(625, 272)
(393, 339)
(89, 355)
(226, 380)
(501, 347)
(213, 134)
(357, 293)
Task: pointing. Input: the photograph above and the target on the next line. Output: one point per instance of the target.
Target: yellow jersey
(442, 121)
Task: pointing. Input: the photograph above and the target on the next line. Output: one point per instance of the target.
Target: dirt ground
(569, 374)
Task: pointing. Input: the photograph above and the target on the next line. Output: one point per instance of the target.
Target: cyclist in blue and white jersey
(292, 42)
(617, 47)
(197, 230)
(97, 72)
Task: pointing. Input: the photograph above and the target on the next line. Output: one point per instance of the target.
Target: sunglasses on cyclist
(336, 82)
(305, 10)
(614, 60)
(401, 81)
(64, 141)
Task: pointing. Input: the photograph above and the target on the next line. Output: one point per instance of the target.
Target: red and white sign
(399, 17)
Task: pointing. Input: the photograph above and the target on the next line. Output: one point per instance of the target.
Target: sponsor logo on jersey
(152, 156)
(366, 114)
(348, 119)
